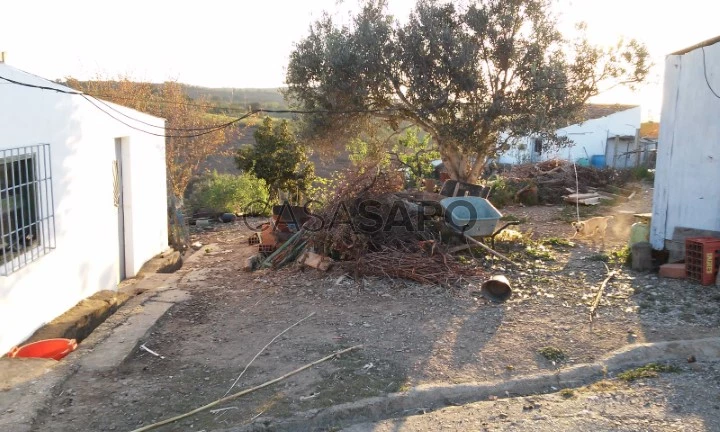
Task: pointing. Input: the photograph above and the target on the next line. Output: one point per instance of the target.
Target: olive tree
(475, 77)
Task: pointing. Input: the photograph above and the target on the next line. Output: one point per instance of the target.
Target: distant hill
(244, 97)
(239, 99)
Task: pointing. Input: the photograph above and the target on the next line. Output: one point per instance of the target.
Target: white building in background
(83, 201)
(609, 134)
(687, 176)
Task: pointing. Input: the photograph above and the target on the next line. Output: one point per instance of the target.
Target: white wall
(687, 176)
(589, 138)
(82, 146)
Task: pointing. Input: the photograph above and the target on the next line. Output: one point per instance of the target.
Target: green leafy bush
(229, 193)
(643, 173)
(503, 192)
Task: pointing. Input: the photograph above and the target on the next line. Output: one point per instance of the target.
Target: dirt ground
(683, 401)
(411, 334)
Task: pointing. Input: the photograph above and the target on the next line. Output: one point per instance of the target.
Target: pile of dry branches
(553, 178)
(398, 244)
(423, 267)
(348, 232)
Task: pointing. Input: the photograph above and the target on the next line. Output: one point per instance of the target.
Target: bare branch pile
(553, 178)
(437, 269)
(397, 242)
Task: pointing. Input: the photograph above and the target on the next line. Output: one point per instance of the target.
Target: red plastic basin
(49, 348)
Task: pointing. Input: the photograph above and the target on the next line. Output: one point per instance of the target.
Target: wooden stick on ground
(261, 351)
(244, 392)
(598, 296)
(487, 248)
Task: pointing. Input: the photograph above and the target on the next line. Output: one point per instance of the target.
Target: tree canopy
(278, 158)
(475, 78)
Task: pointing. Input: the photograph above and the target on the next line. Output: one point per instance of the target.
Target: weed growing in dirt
(555, 355)
(650, 370)
(557, 241)
(567, 393)
(604, 386)
(540, 252)
(643, 173)
(599, 257)
(511, 217)
(404, 387)
(622, 256)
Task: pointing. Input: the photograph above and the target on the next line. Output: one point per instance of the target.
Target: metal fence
(27, 217)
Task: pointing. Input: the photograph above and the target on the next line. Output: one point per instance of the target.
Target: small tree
(474, 77)
(278, 158)
(228, 192)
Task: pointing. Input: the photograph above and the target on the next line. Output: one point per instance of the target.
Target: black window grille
(27, 218)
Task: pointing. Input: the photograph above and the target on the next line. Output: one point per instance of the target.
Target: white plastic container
(474, 216)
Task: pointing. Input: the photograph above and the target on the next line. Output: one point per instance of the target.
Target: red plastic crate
(702, 259)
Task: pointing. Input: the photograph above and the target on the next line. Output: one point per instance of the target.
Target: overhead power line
(209, 131)
(200, 131)
(205, 131)
(102, 102)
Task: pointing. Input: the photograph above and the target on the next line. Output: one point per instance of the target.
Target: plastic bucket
(54, 349)
(598, 161)
(497, 288)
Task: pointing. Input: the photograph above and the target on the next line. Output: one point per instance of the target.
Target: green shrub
(557, 241)
(642, 173)
(503, 193)
(230, 193)
(650, 370)
(553, 354)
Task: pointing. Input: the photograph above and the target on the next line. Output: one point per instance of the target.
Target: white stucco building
(687, 177)
(609, 131)
(83, 201)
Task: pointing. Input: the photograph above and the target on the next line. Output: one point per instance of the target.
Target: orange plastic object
(49, 348)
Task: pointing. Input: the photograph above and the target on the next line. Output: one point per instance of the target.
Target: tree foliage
(228, 192)
(474, 78)
(278, 158)
(183, 156)
(413, 152)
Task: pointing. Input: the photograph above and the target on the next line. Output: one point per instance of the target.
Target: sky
(241, 43)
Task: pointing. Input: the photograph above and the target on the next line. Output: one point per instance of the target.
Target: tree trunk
(459, 164)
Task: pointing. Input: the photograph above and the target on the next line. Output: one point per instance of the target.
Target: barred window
(27, 220)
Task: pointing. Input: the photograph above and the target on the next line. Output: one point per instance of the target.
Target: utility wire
(146, 123)
(167, 102)
(72, 92)
(203, 131)
(209, 131)
(707, 81)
